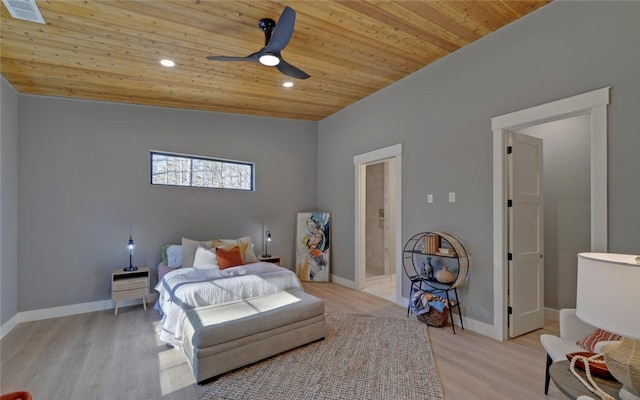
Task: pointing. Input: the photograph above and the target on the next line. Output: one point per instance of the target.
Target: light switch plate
(429, 198)
(452, 197)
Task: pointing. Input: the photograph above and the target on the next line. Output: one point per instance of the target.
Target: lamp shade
(608, 292)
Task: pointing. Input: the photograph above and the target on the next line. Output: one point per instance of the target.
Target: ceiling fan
(274, 43)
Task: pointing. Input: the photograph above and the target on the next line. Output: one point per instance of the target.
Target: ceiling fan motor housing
(267, 25)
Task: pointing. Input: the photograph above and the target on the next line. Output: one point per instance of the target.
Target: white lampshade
(608, 297)
(608, 293)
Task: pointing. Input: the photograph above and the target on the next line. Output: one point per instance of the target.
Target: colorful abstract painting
(312, 246)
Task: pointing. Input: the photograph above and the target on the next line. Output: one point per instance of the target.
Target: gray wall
(84, 184)
(442, 115)
(567, 204)
(8, 201)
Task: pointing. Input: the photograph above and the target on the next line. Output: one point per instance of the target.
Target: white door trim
(360, 161)
(593, 103)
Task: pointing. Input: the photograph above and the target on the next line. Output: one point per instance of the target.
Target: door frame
(593, 103)
(360, 162)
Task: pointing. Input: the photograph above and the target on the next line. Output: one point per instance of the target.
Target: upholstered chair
(572, 330)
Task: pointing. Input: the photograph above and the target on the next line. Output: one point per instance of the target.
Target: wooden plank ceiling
(110, 50)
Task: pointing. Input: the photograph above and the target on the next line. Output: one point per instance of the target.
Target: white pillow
(249, 255)
(189, 250)
(205, 257)
(174, 255)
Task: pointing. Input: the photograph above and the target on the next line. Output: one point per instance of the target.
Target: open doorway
(379, 263)
(549, 220)
(567, 204)
(378, 222)
(592, 104)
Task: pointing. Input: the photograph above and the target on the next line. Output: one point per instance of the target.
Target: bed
(187, 288)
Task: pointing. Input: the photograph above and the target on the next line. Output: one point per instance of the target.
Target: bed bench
(219, 338)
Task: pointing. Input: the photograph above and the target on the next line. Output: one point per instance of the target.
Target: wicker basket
(434, 317)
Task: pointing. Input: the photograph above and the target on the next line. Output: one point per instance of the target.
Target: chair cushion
(558, 348)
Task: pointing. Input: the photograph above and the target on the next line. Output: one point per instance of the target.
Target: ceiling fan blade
(251, 57)
(290, 70)
(283, 30)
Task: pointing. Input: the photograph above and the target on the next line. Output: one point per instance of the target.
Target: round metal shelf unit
(426, 245)
(440, 250)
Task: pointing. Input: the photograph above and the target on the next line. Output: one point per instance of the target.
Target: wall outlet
(429, 198)
(452, 197)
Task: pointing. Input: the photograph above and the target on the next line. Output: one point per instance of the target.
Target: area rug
(362, 357)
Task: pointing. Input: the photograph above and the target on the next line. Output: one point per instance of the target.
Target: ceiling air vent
(24, 9)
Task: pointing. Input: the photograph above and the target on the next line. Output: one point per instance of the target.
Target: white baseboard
(73, 309)
(404, 302)
(343, 282)
(9, 325)
(474, 325)
(552, 314)
(471, 324)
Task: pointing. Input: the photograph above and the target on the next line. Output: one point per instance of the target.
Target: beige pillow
(249, 255)
(189, 250)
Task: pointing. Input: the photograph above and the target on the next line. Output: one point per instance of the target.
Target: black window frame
(192, 157)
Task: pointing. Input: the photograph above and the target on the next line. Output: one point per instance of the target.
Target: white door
(526, 234)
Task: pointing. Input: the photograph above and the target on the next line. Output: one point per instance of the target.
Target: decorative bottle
(444, 275)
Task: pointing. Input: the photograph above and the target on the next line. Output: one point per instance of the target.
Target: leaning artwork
(312, 246)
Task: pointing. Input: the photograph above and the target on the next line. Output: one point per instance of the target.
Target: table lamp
(266, 244)
(130, 248)
(608, 297)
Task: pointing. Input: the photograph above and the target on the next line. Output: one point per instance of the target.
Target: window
(194, 171)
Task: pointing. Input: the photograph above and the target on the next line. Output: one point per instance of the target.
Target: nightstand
(271, 259)
(128, 285)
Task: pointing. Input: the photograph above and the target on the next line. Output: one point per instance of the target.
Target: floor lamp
(608, 297)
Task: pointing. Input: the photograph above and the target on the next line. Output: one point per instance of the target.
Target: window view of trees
(181, 170)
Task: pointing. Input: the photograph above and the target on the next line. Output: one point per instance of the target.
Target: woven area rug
(362, 357)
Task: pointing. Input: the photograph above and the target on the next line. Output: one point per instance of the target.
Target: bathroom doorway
(379, 262)
(378, 217)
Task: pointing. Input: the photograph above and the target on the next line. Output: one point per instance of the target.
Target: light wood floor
(102, 356)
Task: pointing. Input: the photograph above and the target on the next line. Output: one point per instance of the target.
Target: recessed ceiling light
(167, 63)
(288, 84)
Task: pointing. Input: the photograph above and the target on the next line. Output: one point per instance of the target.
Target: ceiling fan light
(269, 60)
(167, 63)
